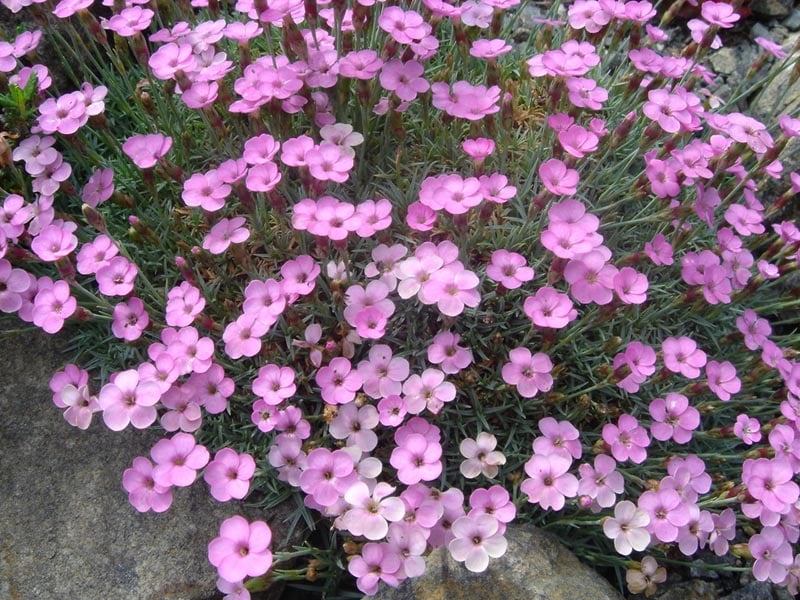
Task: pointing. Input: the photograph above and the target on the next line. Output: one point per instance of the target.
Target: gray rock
(778, 97)
(771, 8)
(535, 567)
(727, 60)
(66, 527)
(792, 22)
(754, 591)
(695, 589)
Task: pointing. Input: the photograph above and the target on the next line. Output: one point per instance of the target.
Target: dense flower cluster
(341, 249)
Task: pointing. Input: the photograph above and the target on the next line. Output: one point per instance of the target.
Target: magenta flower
(146, 150)
(177, 460)
(549, 483)
(673, 418)
(627, 439)
(144, 493)
(628, 528)
(338, 381)
(229, 474)
(530, 374)
(242, 549)
(475, 540)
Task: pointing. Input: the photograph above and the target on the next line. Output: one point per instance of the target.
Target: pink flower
(177, 460)
(377, 562)
(557, 178)
(627, 439)
(126, 400)
(628, 528)
(52, 305)
(475, 540)
(630, 286)
(482, 458)
(117, 277)
(129, 320)
(404, 79)
(327, 162)
(338, 381)
(242, 337)
(55, 241)
(549, 484)
(328, 475)
(601, 483)
(659, 250)
(529, 373)
(681, 355)
(550, 308)
(146, 150)
(722, 379)
(206, 190)
(242, 549)
(446, 352)
(370, 512)
(673, 418)
(770, 481)
(224, 233)
(452, 289)
(274, 384)
(509, 269)
(355, 425)
(721, 14)
(143, 492)
(229, 474)
(494, 501)
(80, 405)
(558, 436)
(99, 188)
(772, 554)
(747, 429)
(417, 459)
(667, 513)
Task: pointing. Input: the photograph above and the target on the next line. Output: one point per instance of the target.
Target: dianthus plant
(335, 249)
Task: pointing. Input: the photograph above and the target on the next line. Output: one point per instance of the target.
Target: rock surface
(66, 527)
(535, 567)
(771, 8)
